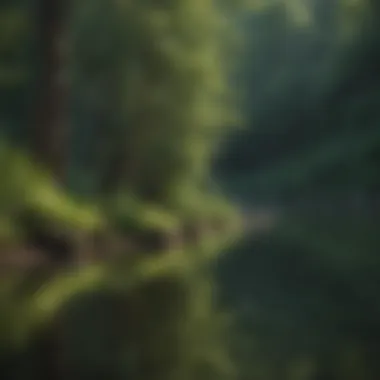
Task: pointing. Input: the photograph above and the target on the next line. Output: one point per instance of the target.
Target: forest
(188, 189)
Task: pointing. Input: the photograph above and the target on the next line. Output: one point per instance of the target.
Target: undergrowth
(161, 299)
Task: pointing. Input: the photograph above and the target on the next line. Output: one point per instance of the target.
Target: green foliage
(325, 115)
(308, 289)
(24, 313)
(151, 103)
(170, 100)
(171, 307)
(130, 214)
(26, 187)
(154, 301)
(193, 203)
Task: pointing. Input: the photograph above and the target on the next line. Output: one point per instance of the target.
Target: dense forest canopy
(327, 120)
(308, 290)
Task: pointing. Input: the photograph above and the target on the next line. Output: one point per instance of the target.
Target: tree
(51, 135)
(168, 92)
(155, 70)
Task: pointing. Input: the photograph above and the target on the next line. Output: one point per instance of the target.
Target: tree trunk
(51, 130)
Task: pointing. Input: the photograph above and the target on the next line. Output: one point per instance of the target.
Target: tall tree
(51, 130)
